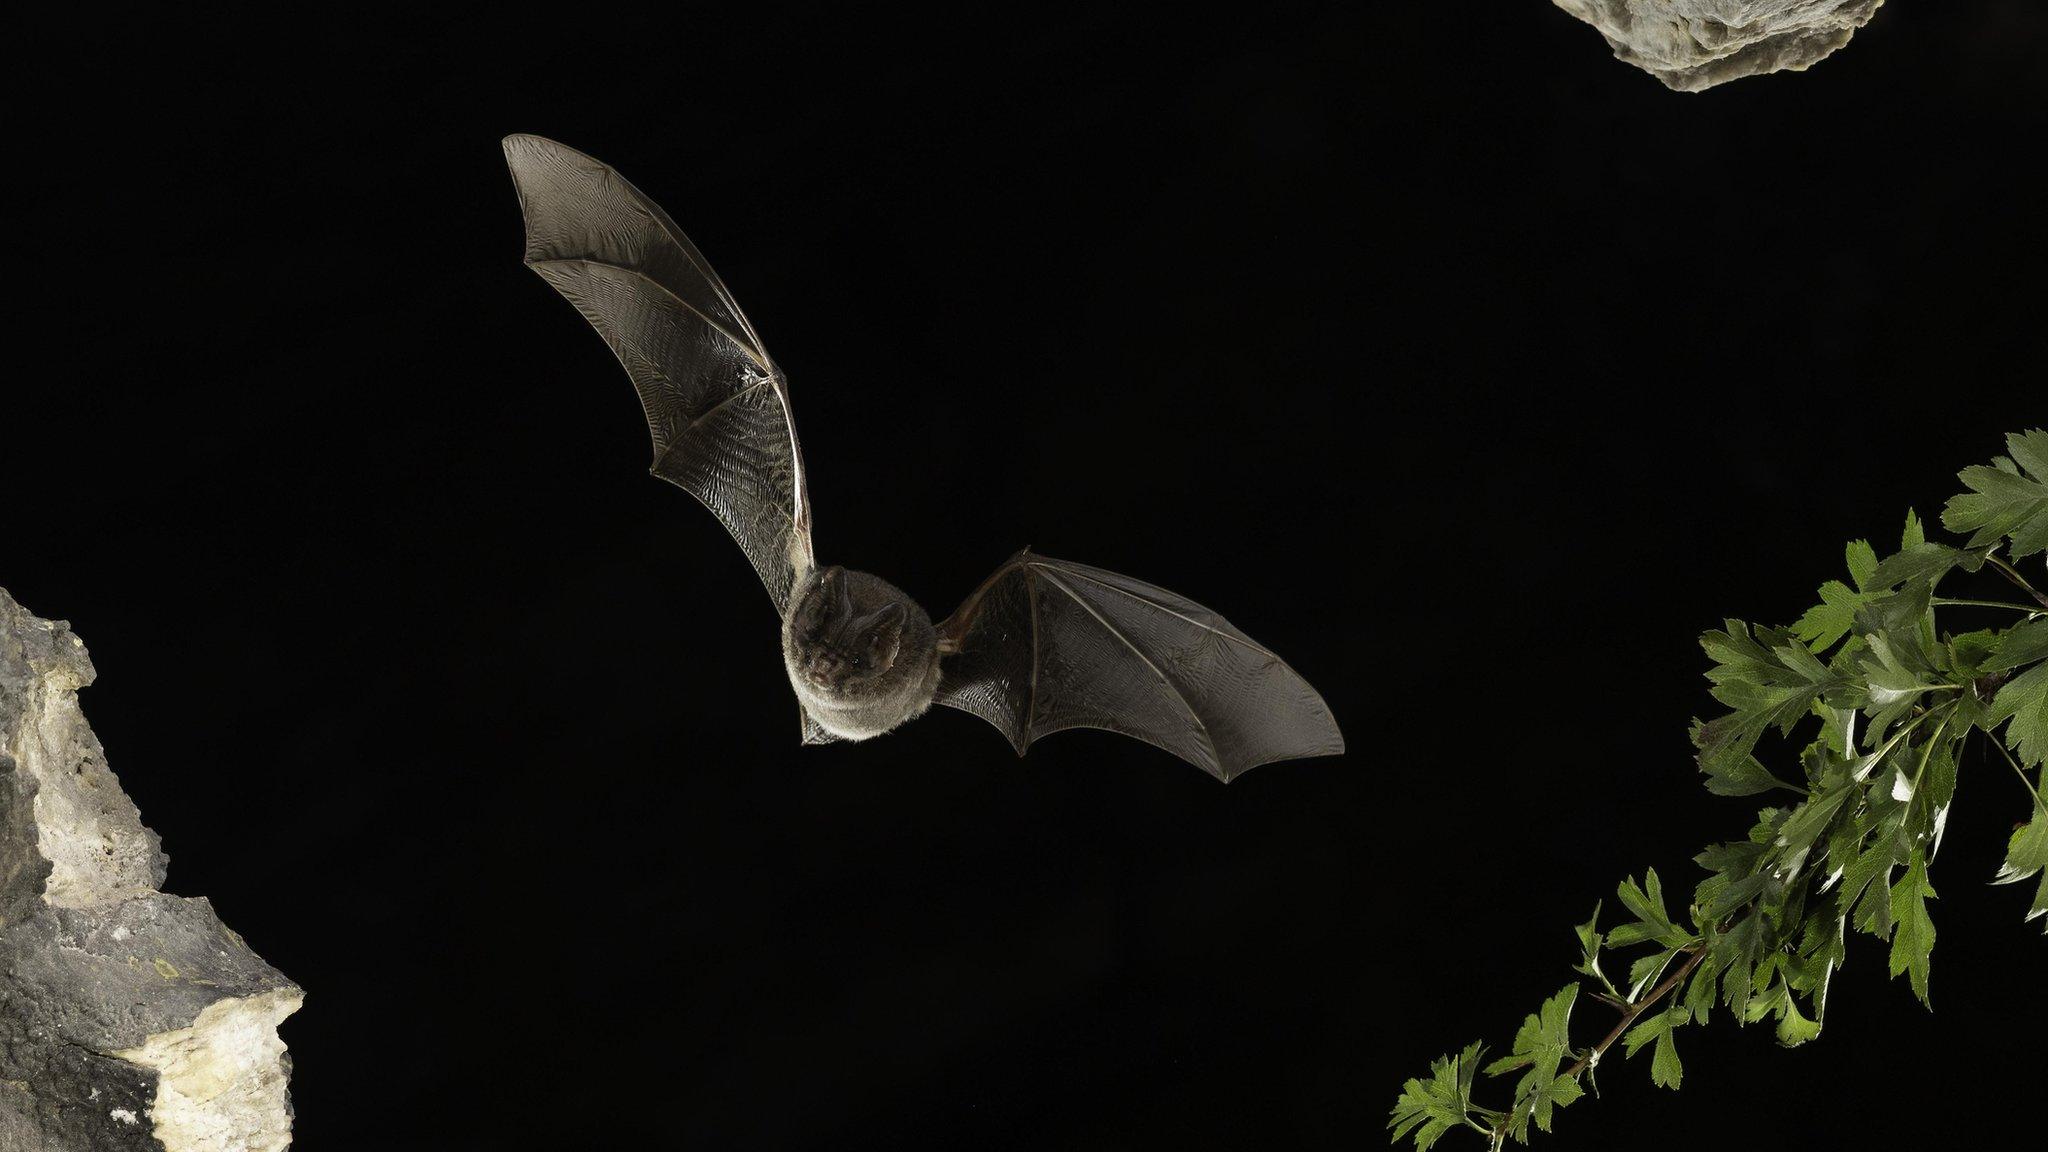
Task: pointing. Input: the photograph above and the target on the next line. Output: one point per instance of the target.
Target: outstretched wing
(717, 406)
(1045, 644)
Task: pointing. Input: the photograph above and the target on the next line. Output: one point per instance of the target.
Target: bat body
(862, 656)
(1042, 645)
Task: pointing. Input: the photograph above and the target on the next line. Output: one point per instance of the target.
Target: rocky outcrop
(129, 1019)
(1695, 44)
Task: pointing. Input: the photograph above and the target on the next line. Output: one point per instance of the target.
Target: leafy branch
(1886, 700)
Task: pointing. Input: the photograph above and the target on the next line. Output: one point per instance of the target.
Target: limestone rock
(1695, 44)
(129, 1019)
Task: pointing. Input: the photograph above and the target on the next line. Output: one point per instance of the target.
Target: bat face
(862, 656)
(840, 648)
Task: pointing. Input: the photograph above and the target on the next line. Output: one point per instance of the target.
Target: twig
(1950, 602)
(2012, 574)
(1696, 953)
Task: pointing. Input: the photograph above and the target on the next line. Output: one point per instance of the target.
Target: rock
(1695, 44)
(129, 1019)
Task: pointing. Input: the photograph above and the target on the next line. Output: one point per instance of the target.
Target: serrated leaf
(2005, 501)
(1429, 1108)
(1645, 970)
(1862, 561)
(2029, 450)
(1541, 1047)
(1887, 672)
(1699, 994)
(1922, 561)
(1590, 940)
(1726, 756)
(2022, 706)
(1963, 655)
(1811, 818)
(1832, 618)
(1913, 941)
(1666, 1071)
(1734, 955)
(1914, 533)
(1767, 679)
(1646, 903)
(2020, 644)
(2027, 852)
(1794, 1028)
(1820, 952)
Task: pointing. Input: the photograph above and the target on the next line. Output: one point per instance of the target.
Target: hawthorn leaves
(1888, 702)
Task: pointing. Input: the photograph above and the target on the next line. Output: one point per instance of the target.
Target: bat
(1041, 646)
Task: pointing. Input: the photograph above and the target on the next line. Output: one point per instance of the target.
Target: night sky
(1463, 365)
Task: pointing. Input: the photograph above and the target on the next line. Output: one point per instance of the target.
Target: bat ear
(886, 625)
(830, 597)
(818, 604)
(837, 594)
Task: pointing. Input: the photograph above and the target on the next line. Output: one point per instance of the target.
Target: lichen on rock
(1692, 45)
(129, 1019)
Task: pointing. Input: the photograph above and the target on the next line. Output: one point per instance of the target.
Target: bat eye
(860, 662)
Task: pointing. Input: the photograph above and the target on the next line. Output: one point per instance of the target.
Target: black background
(1462, 364)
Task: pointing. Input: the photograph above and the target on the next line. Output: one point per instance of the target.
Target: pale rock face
(222, 1084)
(1695, 44)
(129, 1019)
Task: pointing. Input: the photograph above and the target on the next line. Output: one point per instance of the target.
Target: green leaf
(2021, 644)
(1810, 819)
(1699, 994)
(1768, 679)
(1645, 970)
(1964, 655)
(2022, 706)
(1589, 948)
(1832, 618)
(1862, 560)
(1666, 1071)
(1866, 887)
(1735, 954)
(2026, 855)
(1913, 943)
(1892, 675)
(1429, 1108)
(1922, 561)
(2006, 501)
(1653, 923)
(1726, 758)
(2027, 852)
(1867, 673)
(2030, 451)
(1541, 1047)
(1927, 814)
(1794, 1028)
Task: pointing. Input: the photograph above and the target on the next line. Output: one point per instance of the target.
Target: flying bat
(1042, 645)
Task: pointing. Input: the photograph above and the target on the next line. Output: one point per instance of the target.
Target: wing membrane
(717, 407)
(1045, 645)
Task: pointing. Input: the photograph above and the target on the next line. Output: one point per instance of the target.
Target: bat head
(838, 641)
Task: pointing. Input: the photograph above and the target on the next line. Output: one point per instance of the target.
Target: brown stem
(2012, 574)
(1694, 955)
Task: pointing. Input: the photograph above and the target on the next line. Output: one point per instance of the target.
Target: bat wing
(717, 406)
(1046, 644)
(809, 730)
